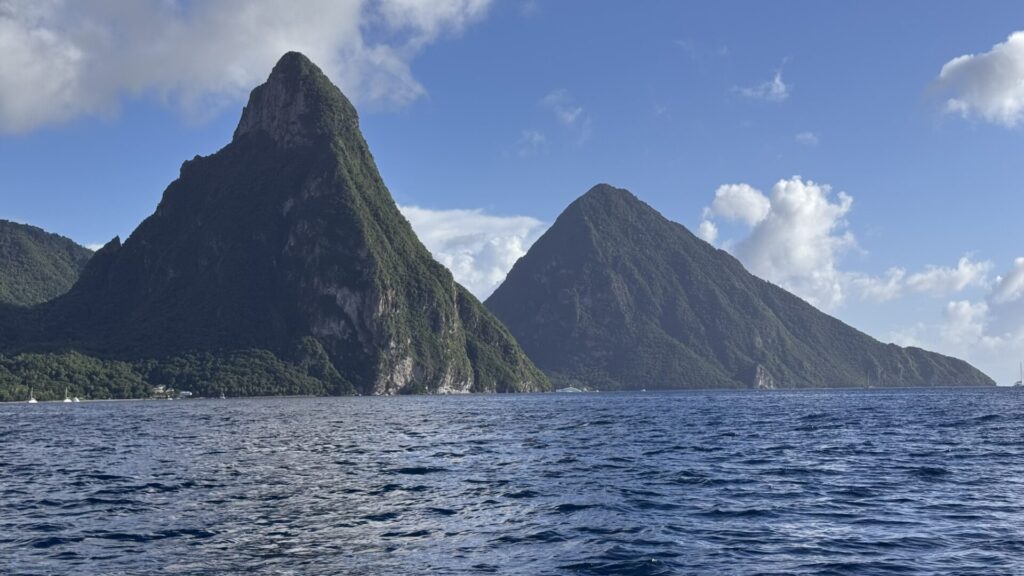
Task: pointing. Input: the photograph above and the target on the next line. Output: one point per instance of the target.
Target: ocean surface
(839, 482)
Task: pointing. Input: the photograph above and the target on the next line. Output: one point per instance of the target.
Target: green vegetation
(36, 266)
(285, 250)
(238, 373)
(616, 296)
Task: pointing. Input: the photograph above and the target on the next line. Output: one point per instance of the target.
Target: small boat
(66, 397)
(32, 397)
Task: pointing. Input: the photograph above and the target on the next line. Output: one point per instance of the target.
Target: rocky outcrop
(288, 234)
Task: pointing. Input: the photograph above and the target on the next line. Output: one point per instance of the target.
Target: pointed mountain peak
(604, 191)
(607, 197)
(293, 65)
(297, 105)
(609, 206)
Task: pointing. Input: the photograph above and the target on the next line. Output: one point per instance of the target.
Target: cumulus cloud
(774, 90)
(478, 248)
(988, 331)
(964, 322)
(67, 59)
(988, 85)
(739, 202)
(797, 237)
(708, 231)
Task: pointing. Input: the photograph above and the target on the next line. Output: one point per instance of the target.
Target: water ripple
(848, 482)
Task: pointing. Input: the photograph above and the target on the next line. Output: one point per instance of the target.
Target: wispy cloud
(561, 103)
(807, 139)
(530, 142)
(688, 47)
(568, 113)
(774, 90)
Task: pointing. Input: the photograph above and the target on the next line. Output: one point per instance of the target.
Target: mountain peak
(297, 105)
(615, 295)
(605, 194)
(294, 64)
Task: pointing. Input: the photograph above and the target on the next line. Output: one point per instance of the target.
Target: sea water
(843, 482)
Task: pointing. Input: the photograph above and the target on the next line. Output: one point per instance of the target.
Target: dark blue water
(658, 483)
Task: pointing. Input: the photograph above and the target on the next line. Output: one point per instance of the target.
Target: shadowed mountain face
(614, 295)
(35, 265)
(286, 238)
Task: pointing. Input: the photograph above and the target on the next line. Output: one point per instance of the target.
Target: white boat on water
(32, 397)
(66, 397)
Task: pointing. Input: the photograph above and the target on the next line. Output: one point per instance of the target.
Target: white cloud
(964, 322)
(66, 59)
(531, 141)
(1010, 287)
(478, 248)
(883, 289)
(989, 85)
(561, 103)
(807, 139)
(800, 238)
(774, 90)
(739, 202)
(429, 20)
(987, 331)
(568, 113)
(708, 231)
(973, 330)
(942, 281)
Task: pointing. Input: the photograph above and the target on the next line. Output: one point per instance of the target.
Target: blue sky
(488, 118)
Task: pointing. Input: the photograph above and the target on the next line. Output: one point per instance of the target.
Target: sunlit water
(644, 483)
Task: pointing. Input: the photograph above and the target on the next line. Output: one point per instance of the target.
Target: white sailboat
(32, 397)
(66, 397)
(1020, 383)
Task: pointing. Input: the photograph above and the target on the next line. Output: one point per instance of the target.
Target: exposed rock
(288, 235)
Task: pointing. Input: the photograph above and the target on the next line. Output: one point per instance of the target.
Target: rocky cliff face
(288, 234)
(616, 296)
